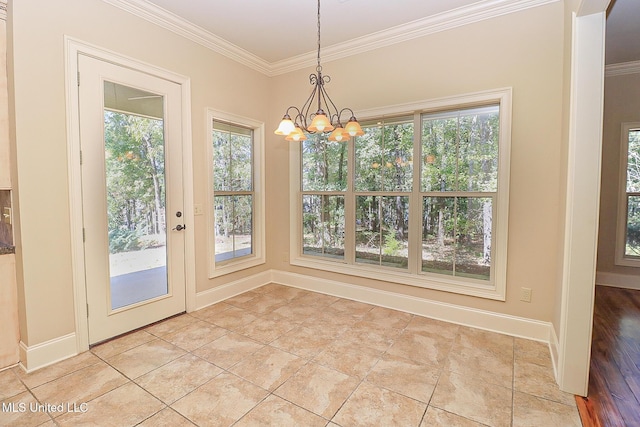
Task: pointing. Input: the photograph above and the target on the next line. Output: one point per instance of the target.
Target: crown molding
(622, 69)
(165, 19)
(476, 12)
(421, 27)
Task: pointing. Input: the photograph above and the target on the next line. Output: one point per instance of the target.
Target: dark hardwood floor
(614, 382)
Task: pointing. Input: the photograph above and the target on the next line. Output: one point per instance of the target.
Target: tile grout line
(307, 361)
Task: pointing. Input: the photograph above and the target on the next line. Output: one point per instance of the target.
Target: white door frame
(73, 48)
(583, 195)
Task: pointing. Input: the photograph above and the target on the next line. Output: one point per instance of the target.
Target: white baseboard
(44, 354)
(482, 319)
(554, 350)
(618, 280)
(491, 321)
(47, 353)
(221, 293)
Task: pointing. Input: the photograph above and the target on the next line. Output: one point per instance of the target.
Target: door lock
(179, 227)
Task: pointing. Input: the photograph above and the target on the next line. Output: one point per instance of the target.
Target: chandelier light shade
(326, 118)
(296, 135)
(339, 134)
(286, 126)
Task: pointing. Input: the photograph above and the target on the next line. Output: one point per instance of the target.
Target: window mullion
(350, 206)
(415, 202)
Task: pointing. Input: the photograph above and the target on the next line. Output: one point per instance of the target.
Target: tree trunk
(155, 176)
(440, 227)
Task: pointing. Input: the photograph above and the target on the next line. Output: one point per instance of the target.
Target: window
(459, 183)
(382, 183)
(419, 199)
(628, 236)
(324, 183)
(235, 193)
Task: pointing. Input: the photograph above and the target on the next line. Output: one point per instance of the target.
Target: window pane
(323, 225)
(633, 162)
(632, 247)
(395, 239)
(368, 237)
(473, 230)
(241, 165)
(136, 204)
(398, 155)
(233, 226)
(478, 150)
(369, 164)
(382, 225)
(456, 236)
(438, 242)
(324, 164)
(221, 161)
(460, 150)
(439, 154)
(232, 157)
(384, 157)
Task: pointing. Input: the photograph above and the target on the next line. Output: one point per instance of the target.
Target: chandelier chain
(319, 67)
(321, 121)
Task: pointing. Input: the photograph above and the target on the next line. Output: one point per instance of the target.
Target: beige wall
(5, 173)
(621, 104)
(37, 90)
(522, 50)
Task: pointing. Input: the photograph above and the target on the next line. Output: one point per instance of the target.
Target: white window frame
(496, 289)
(621, 229)
(258, 239)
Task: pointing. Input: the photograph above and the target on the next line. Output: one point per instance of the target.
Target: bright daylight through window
(415, 198)
(233, 191)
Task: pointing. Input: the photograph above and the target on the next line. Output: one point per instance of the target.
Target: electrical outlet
(525, 294)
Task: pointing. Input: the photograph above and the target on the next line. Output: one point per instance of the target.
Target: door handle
(179, 227)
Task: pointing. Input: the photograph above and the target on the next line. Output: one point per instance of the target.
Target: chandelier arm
(346, 109)
(304, 110)
(336, 116)
(294, 108)
(297, 115)
(329, 103)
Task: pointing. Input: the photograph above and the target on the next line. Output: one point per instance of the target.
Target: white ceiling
(276, 31)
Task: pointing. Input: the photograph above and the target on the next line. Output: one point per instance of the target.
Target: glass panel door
(132, 197)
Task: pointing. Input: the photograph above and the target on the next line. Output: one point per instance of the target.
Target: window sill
(387, 274)
(628, 262)
(232, 267)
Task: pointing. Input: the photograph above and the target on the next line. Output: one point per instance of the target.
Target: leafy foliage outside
(458, 169)
(134, 161)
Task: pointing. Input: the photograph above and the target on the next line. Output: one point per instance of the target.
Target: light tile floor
(281, 356)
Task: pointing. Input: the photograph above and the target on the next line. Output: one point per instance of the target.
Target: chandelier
(327, 119)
